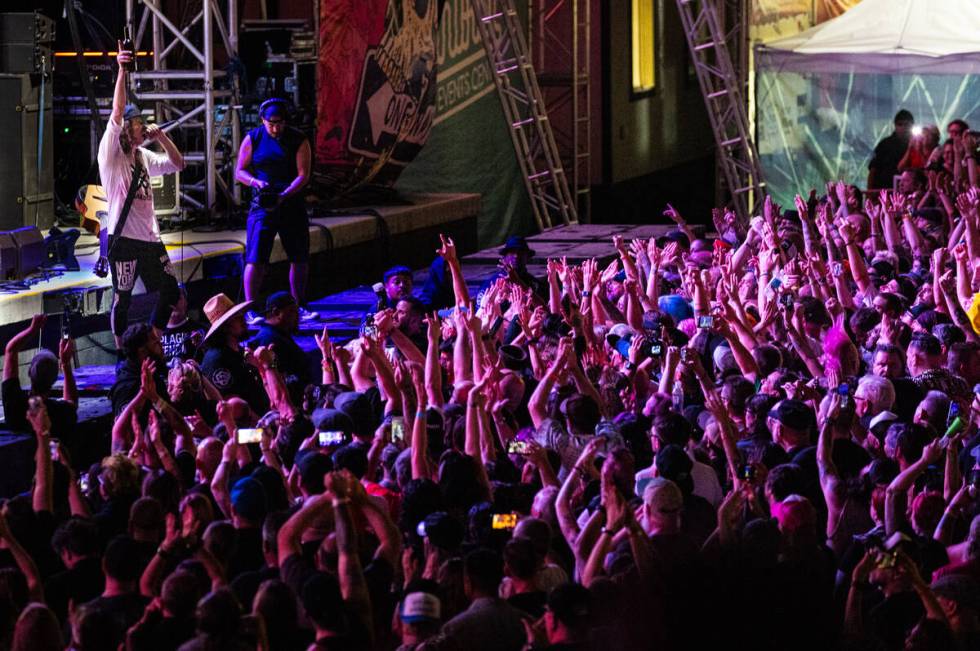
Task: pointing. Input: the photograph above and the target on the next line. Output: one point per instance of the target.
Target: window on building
(643, 45)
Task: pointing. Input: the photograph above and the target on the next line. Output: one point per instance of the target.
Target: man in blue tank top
(274, 160)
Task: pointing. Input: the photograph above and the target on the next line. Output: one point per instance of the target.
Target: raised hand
(37, 415)
(434, 331)
(148, 385)
(324, 344)
(671, 213)
(66, 351)
(447, 248)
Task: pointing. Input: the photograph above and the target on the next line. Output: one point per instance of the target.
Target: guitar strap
(127, 204)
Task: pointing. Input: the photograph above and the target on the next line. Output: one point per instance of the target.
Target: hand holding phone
(397, 429)
(506, 521)
(247, 436)
(329, 438)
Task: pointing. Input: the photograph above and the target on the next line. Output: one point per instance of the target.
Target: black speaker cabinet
(31, 253)
(26, 194)
(8, 257)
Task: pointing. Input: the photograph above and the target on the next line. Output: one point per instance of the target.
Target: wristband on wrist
(586, 293)
(340, 501)
(420, 414)
(159, 404)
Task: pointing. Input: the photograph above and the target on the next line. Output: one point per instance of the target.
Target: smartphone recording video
(246, 436)
(504, 520)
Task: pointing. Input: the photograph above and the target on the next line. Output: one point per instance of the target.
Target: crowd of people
(765, 439)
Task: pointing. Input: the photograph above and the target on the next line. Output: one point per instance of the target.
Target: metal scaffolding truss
(723, 86)
(559, 39)
(525, 112)
(182, 87)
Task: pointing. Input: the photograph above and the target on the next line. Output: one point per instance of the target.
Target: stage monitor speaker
(31, 253)
(166, 194)
(8, 257)
(26, 195)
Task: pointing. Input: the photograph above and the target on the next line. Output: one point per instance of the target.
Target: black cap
(794, 414)
(278, 301)
(674, 464)
(516, 243)
(443, 530)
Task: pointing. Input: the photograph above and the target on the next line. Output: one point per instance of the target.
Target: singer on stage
(135, 249)
(274, 160)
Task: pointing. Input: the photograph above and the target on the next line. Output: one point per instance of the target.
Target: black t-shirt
(63, 414)
(884, 163)
(378, 575)
(126, 609)
(80, 584)
(247, 584)
(233, 376)
(127, 385)
(532, 603)
(176, 340)
(294, 364)
(248, 555)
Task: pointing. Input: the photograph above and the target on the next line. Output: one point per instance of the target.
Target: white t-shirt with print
(116, 170)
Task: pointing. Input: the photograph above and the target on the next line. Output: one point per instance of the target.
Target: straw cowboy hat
(219, 309)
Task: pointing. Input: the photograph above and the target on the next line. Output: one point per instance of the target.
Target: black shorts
(289, 221)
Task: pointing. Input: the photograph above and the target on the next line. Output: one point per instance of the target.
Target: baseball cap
(278, 301)
(332, 420)
(443, 530)
(794, 414)
(674, 464)
(420, 607)
(675, 305)
(132, 111)
(397, 271)
(617, 332)
(882, 421)
(248, 499)
(663, 495)
(357, 406)
(674, 236)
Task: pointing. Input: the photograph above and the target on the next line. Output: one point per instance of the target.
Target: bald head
(209, 456)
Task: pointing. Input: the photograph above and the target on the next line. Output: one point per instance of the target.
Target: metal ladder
(524, 110)
(723, 98)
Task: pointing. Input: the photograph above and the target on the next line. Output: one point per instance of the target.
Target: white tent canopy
(876, 36)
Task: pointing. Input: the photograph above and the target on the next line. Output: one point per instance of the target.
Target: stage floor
(188, 249)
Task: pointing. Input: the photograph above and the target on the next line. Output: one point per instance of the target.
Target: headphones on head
(273, 102)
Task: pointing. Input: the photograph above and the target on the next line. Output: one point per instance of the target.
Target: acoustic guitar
(92, 205)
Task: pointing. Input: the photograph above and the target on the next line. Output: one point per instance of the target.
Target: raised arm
(17, 343)
(433, 371)
(42, 497)
(389, 538)
(66, 354)
(123, 58)
(353, 586)
(25, 563)
(538, 404)
(447, 250)
(896, 495)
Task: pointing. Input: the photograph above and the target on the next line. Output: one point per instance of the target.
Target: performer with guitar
(134, 246)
